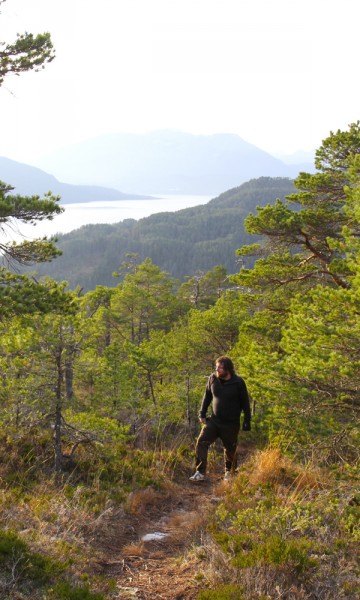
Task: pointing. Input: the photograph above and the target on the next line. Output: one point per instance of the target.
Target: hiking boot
(228, 475)
(197, 476)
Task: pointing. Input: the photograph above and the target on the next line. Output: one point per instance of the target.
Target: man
(228, 394)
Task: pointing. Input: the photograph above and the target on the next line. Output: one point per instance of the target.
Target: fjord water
(86, 213)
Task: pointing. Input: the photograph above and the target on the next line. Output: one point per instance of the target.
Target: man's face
(221, 371)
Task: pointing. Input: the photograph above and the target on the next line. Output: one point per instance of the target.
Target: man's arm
(245, 406)
(207, 398)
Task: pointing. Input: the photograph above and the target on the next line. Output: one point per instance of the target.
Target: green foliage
(27, 53)
(24, 457)
(27, 209)
(20, 295)
(10, 543)
(276, 551)
(30, 567)
(104, 428)
(305, 237)
(225, 592)
(65, 591)
(299, 351)
(203, 290)
(321, 344)
(338, 150)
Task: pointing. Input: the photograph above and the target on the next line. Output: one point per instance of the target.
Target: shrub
(64, 591)
(226, 592)
(16, 558)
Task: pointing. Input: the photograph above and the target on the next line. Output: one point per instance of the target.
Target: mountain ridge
(167, 162)
(28, 180)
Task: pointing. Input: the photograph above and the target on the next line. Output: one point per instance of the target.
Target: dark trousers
(227, 432)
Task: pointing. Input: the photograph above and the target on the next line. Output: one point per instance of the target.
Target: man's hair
(227, 363)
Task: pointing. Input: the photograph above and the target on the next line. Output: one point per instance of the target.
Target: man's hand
(202, 420)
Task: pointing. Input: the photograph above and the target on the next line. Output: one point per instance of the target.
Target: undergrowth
(54, 527)
(286, 531)
(281, 529)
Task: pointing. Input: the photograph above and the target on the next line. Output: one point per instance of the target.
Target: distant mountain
(181, 243)
(30, 181)
(167, 162)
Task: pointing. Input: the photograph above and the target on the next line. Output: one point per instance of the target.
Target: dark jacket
(229, 399)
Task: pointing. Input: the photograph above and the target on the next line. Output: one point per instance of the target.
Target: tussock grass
(140, 501)
(133, 549)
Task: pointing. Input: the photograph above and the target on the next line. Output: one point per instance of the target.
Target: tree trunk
(57, 439)
(188, 412)
(58, 415)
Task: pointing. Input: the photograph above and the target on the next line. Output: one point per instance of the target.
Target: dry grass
(134, 549)
(185, 520)
(140, 501)
(185, 526)
(269, 466)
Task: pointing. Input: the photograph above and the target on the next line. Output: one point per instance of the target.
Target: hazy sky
(279, 73)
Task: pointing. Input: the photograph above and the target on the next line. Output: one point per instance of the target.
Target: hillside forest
(184, 243)
(100, 392)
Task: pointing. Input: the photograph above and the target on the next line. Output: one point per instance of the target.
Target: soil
(166, 566)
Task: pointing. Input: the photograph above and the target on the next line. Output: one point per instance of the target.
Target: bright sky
(281, 74)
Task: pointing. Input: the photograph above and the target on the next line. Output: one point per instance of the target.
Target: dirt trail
(154, 563)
